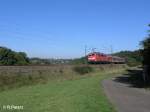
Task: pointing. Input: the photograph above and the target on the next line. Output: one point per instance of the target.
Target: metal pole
(111, 49)
(85, 50)
(85, 53)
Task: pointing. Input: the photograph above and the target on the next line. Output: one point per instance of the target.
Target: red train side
(97, 57)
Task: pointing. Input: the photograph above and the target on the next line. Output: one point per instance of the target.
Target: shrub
(82, 69)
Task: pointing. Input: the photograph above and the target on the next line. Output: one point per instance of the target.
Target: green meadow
(81, 93)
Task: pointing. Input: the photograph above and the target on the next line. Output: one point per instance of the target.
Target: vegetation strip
(77, 95)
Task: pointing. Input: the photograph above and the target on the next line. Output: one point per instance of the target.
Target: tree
(9, 57)
(146, 56)
(146, 51)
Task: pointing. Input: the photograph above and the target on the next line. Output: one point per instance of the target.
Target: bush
(82, 69)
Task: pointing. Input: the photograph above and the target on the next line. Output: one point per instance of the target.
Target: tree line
(10, 57)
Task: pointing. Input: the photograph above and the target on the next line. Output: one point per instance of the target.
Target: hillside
(133, 58)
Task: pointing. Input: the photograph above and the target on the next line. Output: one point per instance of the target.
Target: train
(101, 58)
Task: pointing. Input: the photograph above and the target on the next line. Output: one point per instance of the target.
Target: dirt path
(126, 98)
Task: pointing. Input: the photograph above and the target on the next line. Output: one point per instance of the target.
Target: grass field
(82, 94)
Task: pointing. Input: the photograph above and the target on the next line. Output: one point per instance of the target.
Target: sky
(62, 28)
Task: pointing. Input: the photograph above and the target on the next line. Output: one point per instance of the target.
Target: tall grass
(17, 76)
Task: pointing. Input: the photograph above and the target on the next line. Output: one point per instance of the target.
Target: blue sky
(61, 28)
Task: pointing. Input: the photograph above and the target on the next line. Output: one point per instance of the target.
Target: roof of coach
(117, 57)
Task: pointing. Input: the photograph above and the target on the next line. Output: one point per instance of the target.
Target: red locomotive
(97, 57)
